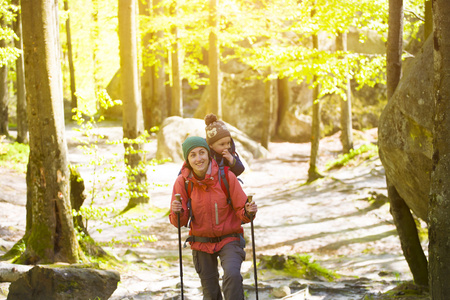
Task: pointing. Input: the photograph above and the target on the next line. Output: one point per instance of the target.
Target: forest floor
(341, 221)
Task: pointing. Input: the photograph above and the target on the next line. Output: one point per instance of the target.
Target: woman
(215, 229)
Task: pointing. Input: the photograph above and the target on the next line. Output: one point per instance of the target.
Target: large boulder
(113, 90)
(175, 130)
(295, 127)
(405, 133)
(243, 96)
(43, 283)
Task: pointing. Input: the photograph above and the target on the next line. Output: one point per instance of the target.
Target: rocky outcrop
(12, 272)
(295, 128)
(64, 283)
(405, 133)
(243, 97)
(175, 130)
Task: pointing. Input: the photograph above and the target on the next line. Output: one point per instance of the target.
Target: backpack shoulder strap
(223, 180)
(188, 185)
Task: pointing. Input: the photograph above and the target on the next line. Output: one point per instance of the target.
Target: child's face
(221, 145)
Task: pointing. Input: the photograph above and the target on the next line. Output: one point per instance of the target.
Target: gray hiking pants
(231, 258)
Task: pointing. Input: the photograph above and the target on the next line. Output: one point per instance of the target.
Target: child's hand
(228, 156)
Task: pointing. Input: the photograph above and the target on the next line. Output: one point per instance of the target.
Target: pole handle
(178, 198)
(250, 197)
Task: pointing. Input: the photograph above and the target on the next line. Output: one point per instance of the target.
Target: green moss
(416, 130)
(406, 290)
(39, 241)
(298, 266)
(15, 252)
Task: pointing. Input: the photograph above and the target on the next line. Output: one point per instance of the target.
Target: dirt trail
(342, 221)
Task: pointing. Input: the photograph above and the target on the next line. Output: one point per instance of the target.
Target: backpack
(223, 181)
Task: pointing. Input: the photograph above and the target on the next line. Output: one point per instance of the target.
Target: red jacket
(212, 215)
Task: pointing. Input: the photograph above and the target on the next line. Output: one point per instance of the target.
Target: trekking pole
(250, 199)
(178, 196)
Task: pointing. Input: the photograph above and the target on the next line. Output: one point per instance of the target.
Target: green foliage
(368, 150)
(14, 156)
(422, 229)
(9, 53)
(95, 46)
(106, 180)
(275, 33)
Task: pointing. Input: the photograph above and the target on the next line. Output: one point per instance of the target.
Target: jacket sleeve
(238, 197)
(179, 188)
(238, 167)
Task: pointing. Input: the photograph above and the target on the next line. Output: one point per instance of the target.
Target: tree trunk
(439, 207)
(177, 92)
(313, 172)
(133, 124)
(283, 100)
(50, 235)
(22, 123)
(147, 74)
(346, 104)
(95, 33)
(394, 46)
(268, 107)
(428, 19)
(73, 89)
(4, 94)
(403, 219)
(154, 97)
(214, 61)
(409, 238)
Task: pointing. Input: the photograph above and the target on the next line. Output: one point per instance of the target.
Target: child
(223, 150)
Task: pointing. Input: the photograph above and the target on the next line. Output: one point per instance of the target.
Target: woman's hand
(176, 206)
(251, 208)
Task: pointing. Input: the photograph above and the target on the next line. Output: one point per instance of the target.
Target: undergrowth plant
(364, 152)
(107, 186)
(14, 155)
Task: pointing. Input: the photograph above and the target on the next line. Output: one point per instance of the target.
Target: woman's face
(199, 160)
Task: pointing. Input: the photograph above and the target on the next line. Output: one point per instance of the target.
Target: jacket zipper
(217, 214)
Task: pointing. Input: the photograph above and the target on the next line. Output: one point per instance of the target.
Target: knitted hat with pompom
(215, 129)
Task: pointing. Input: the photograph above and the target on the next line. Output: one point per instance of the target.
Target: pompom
(211, 118)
